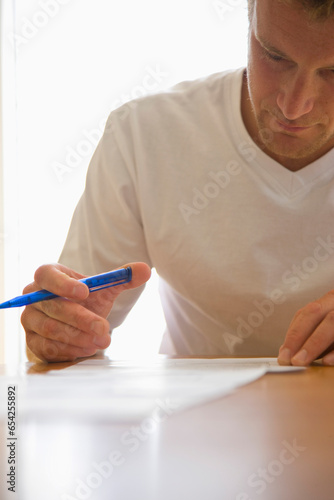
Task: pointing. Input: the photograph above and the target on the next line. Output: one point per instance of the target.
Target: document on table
(132, 390)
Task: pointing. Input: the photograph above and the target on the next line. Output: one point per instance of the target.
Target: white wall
(76, 61)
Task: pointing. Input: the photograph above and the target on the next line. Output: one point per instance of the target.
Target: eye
(273, 57)
(329, 72)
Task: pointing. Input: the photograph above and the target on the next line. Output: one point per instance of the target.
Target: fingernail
(284, 356)
(301, 356)
(100, 341)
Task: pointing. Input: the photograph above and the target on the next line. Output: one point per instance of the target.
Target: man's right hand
(73, 325)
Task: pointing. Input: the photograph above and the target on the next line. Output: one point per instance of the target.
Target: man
(226, 186)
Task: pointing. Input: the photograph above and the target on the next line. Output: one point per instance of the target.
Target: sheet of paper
(132, 390)
(270, 364)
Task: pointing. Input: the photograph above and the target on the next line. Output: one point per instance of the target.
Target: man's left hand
(310, 335)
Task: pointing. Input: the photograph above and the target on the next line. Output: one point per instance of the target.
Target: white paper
(132, 390)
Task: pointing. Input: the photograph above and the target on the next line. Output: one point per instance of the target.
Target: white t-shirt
(240, 242)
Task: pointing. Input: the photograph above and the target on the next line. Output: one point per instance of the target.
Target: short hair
(318, 10)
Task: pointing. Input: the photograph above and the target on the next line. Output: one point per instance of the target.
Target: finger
(75, 334)
(141, 273)
(303, 324)
(102, 301)
(53, 351)
(328, 360)
(61, 280)
(70, 313)
(317, 343)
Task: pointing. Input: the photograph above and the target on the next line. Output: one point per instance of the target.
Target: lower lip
(291, 129)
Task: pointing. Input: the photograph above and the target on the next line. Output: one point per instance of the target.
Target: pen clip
(108, 280)
(108, 285)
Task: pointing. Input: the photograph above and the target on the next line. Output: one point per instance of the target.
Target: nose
(297, 96)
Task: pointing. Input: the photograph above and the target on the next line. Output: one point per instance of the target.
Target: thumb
(141, 273)
(101, 301)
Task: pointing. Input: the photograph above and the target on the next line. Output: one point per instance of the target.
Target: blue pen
(94, 283)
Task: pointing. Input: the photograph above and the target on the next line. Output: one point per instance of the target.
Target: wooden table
(272, 439)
